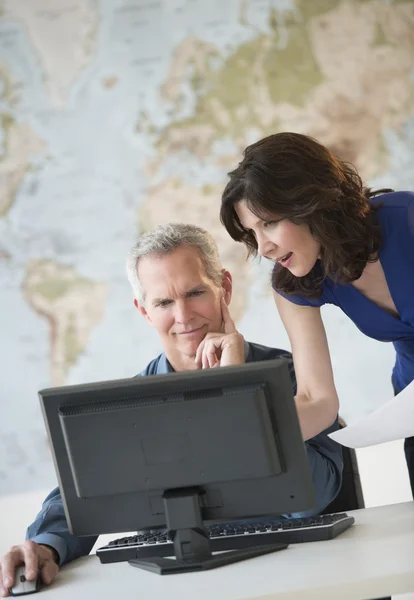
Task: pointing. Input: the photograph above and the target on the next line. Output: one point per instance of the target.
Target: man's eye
(196, 293)
(164, 303)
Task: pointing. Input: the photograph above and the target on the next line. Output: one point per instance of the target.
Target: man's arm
(325, 459)
(50, 528)
(48, 545)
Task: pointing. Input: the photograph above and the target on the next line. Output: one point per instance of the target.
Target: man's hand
(221, 349)
(33, 556)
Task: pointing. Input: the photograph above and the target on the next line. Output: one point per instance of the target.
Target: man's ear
(227, 285)
(142, 310)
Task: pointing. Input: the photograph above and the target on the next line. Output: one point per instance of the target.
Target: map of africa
(118, 116)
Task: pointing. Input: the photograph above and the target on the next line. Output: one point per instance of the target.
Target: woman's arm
(316, 399)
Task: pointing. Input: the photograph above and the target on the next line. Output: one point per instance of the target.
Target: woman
(333, 241)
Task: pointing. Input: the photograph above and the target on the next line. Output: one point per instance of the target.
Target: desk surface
(373, 559)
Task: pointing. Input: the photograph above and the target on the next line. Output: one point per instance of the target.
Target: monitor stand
(191, 543)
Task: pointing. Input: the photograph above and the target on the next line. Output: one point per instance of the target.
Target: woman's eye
(269, 223)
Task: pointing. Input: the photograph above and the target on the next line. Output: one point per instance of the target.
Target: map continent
(119, 116)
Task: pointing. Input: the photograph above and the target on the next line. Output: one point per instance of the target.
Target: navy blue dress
(396, 218)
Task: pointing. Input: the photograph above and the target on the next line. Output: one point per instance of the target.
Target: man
(182, 290)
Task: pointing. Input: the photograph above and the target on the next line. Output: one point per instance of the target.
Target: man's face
(181, 302)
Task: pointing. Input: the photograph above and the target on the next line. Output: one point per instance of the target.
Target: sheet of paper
(392, 421)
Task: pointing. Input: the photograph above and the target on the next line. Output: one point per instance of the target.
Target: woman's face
(282, 241)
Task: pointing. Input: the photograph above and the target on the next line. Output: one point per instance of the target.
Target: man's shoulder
(260, 352)
(156, 366)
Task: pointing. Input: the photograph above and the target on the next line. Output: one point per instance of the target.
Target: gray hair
(165, 239)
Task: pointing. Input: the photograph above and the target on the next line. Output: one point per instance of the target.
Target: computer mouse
(23, 586)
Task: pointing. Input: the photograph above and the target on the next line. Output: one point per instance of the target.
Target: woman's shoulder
(396, 213)
(393, 201)
(302, 300)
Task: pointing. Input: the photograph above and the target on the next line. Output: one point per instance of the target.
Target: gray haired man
(183, 291)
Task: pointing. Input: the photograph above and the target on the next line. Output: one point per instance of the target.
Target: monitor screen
(232, 434)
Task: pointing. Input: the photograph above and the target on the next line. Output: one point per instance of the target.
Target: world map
(118, 115)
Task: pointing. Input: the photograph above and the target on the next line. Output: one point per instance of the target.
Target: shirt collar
(164, 365)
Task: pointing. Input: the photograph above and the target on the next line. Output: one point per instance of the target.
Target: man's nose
(182, 312)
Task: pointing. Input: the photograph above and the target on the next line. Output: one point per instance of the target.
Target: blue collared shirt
(325, 458)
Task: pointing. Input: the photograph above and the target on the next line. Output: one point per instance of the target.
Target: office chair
(350, 496)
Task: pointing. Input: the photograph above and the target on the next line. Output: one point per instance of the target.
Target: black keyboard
(231, 537)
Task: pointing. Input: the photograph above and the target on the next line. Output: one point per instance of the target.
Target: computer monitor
(177, 450)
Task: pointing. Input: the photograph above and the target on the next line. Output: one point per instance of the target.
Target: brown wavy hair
(292, 176)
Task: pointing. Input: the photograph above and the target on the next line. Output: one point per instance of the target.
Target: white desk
(373, 559)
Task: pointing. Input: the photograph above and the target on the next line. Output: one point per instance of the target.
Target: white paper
(392, 421)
